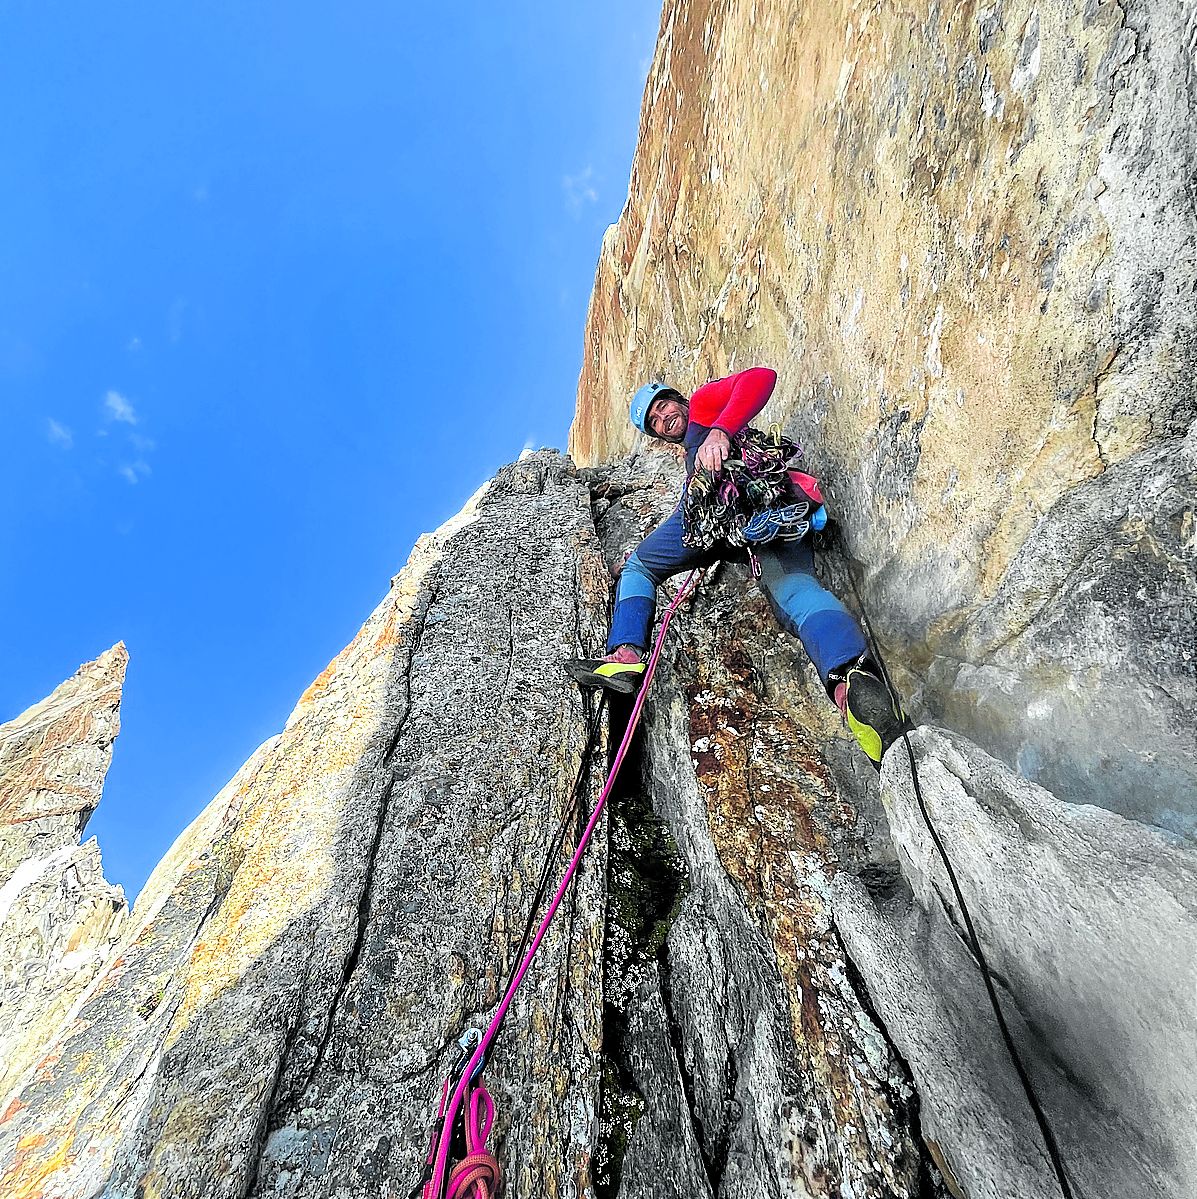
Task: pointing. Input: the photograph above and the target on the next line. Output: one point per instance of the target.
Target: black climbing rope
(552, 855)
(1049, 1139)
(471, 1037)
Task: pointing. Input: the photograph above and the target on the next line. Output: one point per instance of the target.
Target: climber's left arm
(726, 406)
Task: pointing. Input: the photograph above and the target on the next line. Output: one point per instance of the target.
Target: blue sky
(282, 285)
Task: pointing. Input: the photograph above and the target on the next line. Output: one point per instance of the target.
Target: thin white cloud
(144, 444)
(59, 434)
(579, 189)
(119, 409)
(134, 345)
(133, 472)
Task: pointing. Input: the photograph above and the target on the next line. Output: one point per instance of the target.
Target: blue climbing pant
(829, 633)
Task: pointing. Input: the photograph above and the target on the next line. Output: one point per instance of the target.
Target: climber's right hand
(714, 450)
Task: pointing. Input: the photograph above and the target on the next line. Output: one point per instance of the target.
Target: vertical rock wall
(766, 1071)
(964, 234)
(53, 759)
(1089, 924)
(781, 1002)
(816, 950)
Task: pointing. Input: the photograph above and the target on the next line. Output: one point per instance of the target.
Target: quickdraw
(465, 1115)
(757, 497)
(477, 1175)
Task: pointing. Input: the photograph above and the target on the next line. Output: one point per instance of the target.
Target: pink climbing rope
(476, 1145)
(477, 1175)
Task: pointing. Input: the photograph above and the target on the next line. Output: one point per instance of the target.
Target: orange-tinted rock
(964, 236)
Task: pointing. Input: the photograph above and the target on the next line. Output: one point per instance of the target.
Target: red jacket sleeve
(729, 404)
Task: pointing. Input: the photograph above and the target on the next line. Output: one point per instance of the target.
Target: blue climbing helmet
(642, 401)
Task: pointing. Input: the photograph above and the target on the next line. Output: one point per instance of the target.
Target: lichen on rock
(279, 1014)
(59, 917)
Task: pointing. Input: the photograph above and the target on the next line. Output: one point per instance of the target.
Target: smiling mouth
(674, 427)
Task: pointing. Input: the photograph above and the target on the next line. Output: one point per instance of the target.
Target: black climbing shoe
(624, 678)
(873, 714)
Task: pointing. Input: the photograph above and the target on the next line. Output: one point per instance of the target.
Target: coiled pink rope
(477, 1175)
(434, 1188)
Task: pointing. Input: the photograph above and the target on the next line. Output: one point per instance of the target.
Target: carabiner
(467, 1043)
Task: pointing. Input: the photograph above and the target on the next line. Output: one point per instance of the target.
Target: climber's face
(668, 417)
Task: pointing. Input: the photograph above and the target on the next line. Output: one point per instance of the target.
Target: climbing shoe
(872, 712)
(624, 678)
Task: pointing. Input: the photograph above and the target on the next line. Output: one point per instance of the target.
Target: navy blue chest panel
(696, 434)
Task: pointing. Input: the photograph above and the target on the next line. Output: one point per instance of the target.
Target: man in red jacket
(705, 425)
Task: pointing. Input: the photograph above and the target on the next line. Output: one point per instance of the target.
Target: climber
(716, 414)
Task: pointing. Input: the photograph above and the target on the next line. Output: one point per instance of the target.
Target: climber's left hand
(714, 450)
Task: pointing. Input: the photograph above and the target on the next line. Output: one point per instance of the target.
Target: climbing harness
(974, 943)
(464, 1098)
(465, 1114)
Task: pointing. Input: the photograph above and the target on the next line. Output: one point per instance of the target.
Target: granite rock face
(53, 759)
(744, 1023)
(1089, 924)
(965, 236)
(1082, 669)
(757, 985)
(281, 1008)
(805, 890)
